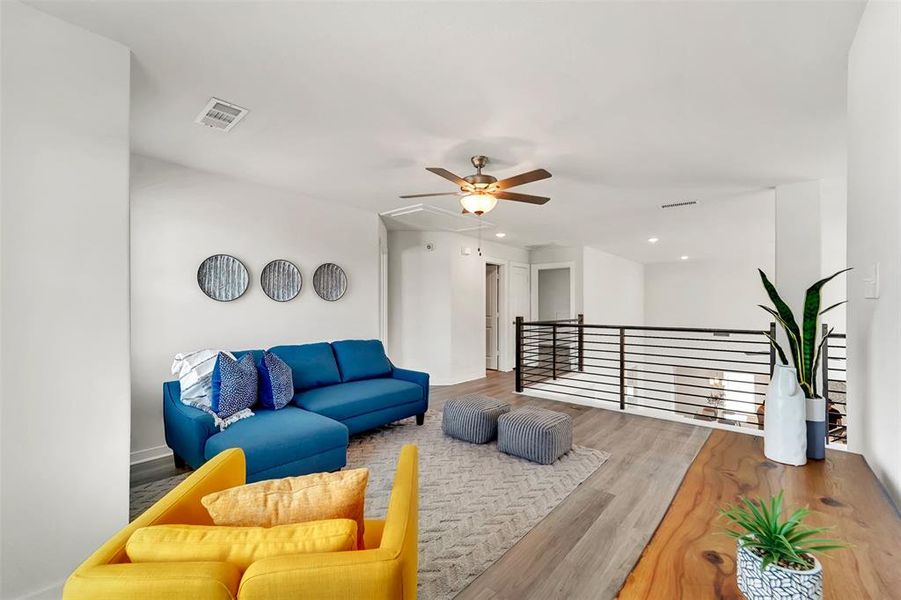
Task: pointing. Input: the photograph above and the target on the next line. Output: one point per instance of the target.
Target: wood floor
(586, 546)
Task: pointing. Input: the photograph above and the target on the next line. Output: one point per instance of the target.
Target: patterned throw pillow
(276, 383)
(234, 385)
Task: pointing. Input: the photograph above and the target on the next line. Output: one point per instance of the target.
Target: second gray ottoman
(472, 418)
(536, 434)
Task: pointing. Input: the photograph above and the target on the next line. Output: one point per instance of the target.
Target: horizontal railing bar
(639, 362)
(703, 417)
(705, 340)
(593, 397)
(590, 389)
(692, 349)
(654, 328)
(581, 376)
(741, 412)
(726, 360)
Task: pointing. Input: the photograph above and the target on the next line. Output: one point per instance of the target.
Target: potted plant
(794, 428)
(775, 557)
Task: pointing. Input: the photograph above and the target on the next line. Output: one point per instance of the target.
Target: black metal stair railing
(709, 376)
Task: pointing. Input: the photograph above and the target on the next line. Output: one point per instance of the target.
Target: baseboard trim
(157, 452)
(51, 592)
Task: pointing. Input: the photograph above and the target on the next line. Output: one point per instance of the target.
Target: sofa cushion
(312, 365)
(361, 359)
(274, 438)
(355, 398)
(239, 546)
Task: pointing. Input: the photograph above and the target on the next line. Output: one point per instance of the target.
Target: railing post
(518, 360)
(554, 351)
(772, 349)
(581, 350)
(824, 367)
(622, 368)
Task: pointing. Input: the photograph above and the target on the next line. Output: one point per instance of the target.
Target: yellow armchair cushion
(315, 497)
(239, 546)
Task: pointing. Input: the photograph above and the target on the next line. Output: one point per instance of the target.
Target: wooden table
(689, 558)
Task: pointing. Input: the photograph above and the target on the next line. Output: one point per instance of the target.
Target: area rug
(475, 502)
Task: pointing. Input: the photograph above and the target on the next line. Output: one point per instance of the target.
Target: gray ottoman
(535, 434)
(472, 418)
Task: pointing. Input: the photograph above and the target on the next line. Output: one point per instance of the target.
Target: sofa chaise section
(281, 443)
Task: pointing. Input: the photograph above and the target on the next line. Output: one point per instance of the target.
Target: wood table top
(688, 556)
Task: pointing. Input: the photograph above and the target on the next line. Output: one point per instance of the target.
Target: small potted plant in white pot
(775, 557)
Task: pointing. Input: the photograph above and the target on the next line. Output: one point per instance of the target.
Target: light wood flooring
(586, 546)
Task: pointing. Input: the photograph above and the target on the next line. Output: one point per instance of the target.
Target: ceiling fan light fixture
(478, 203)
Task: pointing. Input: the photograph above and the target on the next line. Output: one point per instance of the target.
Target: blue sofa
(340, 388)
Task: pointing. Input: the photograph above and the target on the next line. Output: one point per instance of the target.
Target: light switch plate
(465, 251)
(871, 282)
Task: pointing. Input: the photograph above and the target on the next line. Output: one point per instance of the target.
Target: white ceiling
(629, 104)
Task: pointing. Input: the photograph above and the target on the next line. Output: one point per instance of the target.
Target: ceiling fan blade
(430, 195)
(448, 175)
(536, 175)
(520, 197)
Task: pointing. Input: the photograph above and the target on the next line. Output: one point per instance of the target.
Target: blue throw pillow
(234, 384)
(276, 383)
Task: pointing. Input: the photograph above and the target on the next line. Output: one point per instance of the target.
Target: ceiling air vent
(220, 114)
(679, 204)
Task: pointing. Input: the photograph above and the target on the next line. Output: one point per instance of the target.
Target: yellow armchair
(385, 571)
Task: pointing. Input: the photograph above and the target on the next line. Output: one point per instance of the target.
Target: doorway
(553, 292)
(492, 316)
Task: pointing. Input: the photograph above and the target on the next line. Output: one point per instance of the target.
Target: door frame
(504, 359)
(533, 285)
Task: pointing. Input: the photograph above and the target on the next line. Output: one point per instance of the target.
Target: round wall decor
(330, 282)
(223, 277)
(281, 280)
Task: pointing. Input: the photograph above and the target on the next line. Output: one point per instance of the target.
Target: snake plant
(803, 342)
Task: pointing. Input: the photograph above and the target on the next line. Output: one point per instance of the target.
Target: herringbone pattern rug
(475, 503)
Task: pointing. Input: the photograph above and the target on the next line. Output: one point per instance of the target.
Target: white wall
(874, 237)
(181, 216)
(834, 249)
(64, 248)
(614, 289)
(707, 293)
(436, 302)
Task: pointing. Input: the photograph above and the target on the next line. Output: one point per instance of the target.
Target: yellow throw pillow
(239, 546)
(273, 502)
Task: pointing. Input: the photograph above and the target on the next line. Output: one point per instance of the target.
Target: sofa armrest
(195, 580)
(187, 428)
(418, 377)
(372, 574)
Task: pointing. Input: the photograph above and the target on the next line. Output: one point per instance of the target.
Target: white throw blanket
(195, 377)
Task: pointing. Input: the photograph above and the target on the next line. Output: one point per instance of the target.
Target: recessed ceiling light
(653, 240)
(500, 234)
(683, 257)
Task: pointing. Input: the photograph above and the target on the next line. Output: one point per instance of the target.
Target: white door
(520, 299)
(492, 283)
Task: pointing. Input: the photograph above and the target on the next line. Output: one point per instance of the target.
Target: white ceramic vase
(785, 419)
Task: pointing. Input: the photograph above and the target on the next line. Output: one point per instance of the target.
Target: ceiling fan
(479, 193)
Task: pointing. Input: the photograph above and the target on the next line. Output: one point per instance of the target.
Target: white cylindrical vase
(785, 419)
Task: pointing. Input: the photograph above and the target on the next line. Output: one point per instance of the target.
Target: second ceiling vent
(220, 114)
